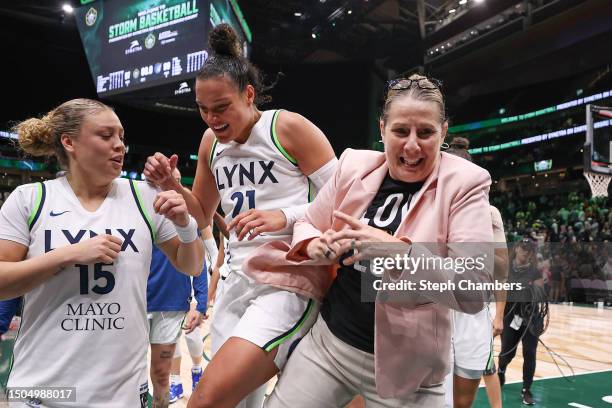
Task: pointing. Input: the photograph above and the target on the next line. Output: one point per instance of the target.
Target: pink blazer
(411, 338)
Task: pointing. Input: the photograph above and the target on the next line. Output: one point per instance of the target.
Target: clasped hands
(332, 245)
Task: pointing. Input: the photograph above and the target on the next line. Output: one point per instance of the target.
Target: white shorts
(473, 340)
(264, 315)
(165, 327)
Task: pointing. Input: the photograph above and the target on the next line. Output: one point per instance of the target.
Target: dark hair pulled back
(227, 60)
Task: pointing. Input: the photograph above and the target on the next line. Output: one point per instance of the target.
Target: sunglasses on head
(401, 84)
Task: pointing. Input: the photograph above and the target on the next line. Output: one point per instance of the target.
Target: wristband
(188, 233)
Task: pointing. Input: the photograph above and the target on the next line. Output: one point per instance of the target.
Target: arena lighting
(313, 35)
(67, 8)
(545, 136)
(462, 2)
(297, 14)
(451, 11)
(539, 138)
(8, 135)
(509, 119)
(22, 164)
(478, 1)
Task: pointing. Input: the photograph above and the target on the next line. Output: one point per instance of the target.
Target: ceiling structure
(389, 36)
(388, 31)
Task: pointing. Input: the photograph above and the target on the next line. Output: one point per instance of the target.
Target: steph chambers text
(426, 285)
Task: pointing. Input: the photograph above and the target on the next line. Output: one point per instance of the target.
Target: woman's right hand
(324, 249)
(158, 170)
(102, 248)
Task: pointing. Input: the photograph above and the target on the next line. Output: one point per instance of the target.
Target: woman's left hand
(358, 233)
(254, 222)
(172, 205)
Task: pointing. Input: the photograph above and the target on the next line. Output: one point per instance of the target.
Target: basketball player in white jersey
(78, 250)
(258, 164)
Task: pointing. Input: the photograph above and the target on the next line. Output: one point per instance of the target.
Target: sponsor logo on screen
(134, 47)
(182, 89)
(150, 41)
(91, 16)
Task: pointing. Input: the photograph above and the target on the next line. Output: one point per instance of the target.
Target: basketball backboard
(598, 144)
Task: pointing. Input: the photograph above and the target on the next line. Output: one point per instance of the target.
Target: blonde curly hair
(41, 137)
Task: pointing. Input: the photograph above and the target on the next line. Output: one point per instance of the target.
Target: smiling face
(98, 150)
(226, 110)
(412, 134)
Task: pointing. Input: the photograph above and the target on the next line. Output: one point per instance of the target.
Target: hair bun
(223, 40)
(35, 136)
(460, 143)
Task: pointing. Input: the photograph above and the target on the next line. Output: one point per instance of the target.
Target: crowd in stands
(573, 235)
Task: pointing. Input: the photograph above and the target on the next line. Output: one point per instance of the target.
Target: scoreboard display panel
(137, 44)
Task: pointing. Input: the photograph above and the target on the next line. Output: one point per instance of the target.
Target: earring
(444, 146)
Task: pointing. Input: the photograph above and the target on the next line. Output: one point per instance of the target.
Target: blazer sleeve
(318, 217)
(470, 235)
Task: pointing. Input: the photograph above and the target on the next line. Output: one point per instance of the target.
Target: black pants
(510, 339)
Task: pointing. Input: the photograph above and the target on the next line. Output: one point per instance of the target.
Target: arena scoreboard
(137, 44)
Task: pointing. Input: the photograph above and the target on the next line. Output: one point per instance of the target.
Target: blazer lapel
(361, 193)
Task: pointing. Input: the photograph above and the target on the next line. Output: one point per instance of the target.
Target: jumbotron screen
(136, 44)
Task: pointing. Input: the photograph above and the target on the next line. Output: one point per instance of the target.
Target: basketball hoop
(599, 183)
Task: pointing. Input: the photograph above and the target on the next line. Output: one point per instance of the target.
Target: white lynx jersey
(257, 174)
(86, 327)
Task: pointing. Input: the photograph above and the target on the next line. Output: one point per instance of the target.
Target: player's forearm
(18, 278)
(220, 222)
(190, 257)
(195, 208)
(212, 287)
(193, 204)
(500, 305)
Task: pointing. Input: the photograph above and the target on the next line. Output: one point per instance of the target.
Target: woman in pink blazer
(393, 351)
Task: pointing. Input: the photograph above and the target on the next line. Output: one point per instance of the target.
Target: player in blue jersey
(169, 293)
(8, 309)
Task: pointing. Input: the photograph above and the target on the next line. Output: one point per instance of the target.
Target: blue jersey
(8, 309)
(168, 290)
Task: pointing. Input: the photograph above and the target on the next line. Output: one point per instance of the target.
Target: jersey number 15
(99, 273)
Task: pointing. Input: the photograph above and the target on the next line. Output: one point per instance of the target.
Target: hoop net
(599, 183)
